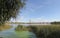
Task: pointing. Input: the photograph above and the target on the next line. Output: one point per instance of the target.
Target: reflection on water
(11, 33)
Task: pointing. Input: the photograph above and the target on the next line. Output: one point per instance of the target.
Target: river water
(11, 33)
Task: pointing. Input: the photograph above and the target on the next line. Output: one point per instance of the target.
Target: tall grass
(4, 27)
(46, 31)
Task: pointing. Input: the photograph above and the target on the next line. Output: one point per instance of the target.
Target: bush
(21, 28)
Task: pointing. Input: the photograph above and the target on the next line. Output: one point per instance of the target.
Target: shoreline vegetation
(42, 31)
(5, 26)
(46, 31)
(21, 28)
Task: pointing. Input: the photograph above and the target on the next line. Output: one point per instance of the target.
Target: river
(11, 33)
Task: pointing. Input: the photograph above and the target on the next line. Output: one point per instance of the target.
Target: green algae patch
(22, 34)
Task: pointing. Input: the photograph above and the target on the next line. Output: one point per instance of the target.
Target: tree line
(55, 22)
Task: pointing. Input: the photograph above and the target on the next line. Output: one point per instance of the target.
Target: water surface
(11, 33)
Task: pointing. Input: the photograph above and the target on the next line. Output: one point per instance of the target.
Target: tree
(9, 9)
(55, 22)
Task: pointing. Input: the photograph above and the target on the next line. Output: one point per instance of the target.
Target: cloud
(43, 19)
(20, 19)
(39, 19)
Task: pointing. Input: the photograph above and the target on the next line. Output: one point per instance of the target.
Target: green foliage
(21, 28)
(9, 9)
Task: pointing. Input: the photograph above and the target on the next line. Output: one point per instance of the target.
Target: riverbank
(5, 27)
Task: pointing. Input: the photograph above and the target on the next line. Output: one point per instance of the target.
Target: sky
(40, 11)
